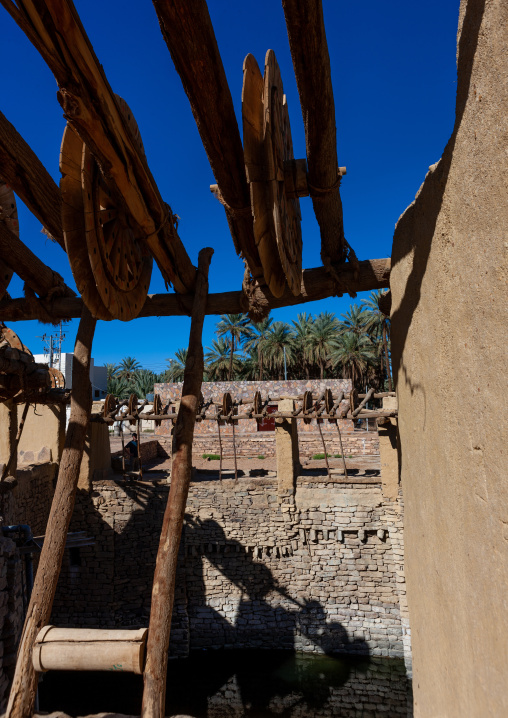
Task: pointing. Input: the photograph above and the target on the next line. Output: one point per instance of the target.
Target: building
(63, 362)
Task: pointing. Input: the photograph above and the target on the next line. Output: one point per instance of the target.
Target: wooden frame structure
(109, 216)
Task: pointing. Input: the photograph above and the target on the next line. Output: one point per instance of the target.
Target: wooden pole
(39, 277)
(154, 694)
(24, 685)
(25, 173)
(311, 62)
(189, 35)
(14, 450)
(317, 283)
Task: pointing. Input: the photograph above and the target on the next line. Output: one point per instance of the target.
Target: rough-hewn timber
(317, 283)
(163, 592)
(24, 685)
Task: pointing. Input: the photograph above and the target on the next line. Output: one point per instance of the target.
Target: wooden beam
(189, 35)
(89, 104)
(163, 591)
(39, 277)
(311, 62)
(24, 685)
(317, 284)
(24, 172)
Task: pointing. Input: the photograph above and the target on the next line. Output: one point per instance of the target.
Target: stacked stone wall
(30, 501)
(318, 571)
(11, 613)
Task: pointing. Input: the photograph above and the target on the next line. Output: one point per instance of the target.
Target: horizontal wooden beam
(188, 32)
(311, 62)
(24, 172)
(39, 277)
(317, 284)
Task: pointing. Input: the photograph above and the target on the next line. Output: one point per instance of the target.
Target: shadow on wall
(415, 229)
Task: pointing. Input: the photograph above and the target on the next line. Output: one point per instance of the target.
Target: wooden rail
(317, 283)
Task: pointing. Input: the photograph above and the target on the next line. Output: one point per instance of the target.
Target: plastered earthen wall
(258, 568)
(449, 320)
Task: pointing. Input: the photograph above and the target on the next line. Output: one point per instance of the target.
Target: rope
(320, 192)
(254, 308)
(37, 308)
(234, 212)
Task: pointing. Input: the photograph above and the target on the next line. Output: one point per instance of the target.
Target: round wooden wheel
(157, 408)
(111, 266)
(307, 405)
(328, 400)
(267, 145)
(133, 403)
(110, 404)
(258, 405)
(279, 145)
(56, 378)
(227, 404)
(8, 215)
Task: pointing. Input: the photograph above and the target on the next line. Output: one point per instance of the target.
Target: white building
(63, 362)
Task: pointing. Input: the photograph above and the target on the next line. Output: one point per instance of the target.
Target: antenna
(52, 345)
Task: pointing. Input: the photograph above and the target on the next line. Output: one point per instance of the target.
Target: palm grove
(355, 346)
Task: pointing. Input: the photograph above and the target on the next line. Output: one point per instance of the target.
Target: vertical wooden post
(24, 685)
(163, 591)
(286, 446)
(10, 466)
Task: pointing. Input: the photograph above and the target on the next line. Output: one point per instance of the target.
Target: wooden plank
(90, 107)
(39, 277)
(163, 591)
(24, 172)
(24, 685)
(188, 32)
(316, 284)
(311, 62)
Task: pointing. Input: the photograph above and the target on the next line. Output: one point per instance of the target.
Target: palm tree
(301, 337)
(279, 338)
(238, 327)
(119, 387)
(143, 382)
(322, 334)
(111, 370)
(353, 320)
(353, 353)
(378, 324)
(250, 368)
(218, 360)
(177, 365)
(128, 367)
(256, 343)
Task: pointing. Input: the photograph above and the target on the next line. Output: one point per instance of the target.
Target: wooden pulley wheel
(133, 403)
(353, 400)
(267, 146)
(308, 403)
(227, 404)
(328, 401)
(9, 337)
(157, 408)
(8, 215)
(56, 378)
(258, 404)
(111, 265)
(110, 405)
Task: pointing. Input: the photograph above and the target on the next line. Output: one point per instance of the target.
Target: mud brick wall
(30, 501)
(318, 571)
(11, 613)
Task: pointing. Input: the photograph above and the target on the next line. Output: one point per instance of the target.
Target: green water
(254, 684)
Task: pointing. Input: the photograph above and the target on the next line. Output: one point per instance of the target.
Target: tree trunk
(163, 592)
(24, 685)
(387, 359)
(231, 357)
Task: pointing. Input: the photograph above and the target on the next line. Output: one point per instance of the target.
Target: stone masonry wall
(11, 613)
(320, 571)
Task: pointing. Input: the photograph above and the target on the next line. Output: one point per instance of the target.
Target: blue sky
(394, 78)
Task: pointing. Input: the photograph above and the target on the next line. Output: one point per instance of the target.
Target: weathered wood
(311, 62)
(154, 694)
(23, 170)
(364, 401)
(24, 685)
(90, 107)
(317, 283)
(188, 32)
(9, 218)
(89, 649)
(39, 277)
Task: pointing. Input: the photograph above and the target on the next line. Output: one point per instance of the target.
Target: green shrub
(337, 456)
(320, 456)
(261, 456)
(212, 457)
